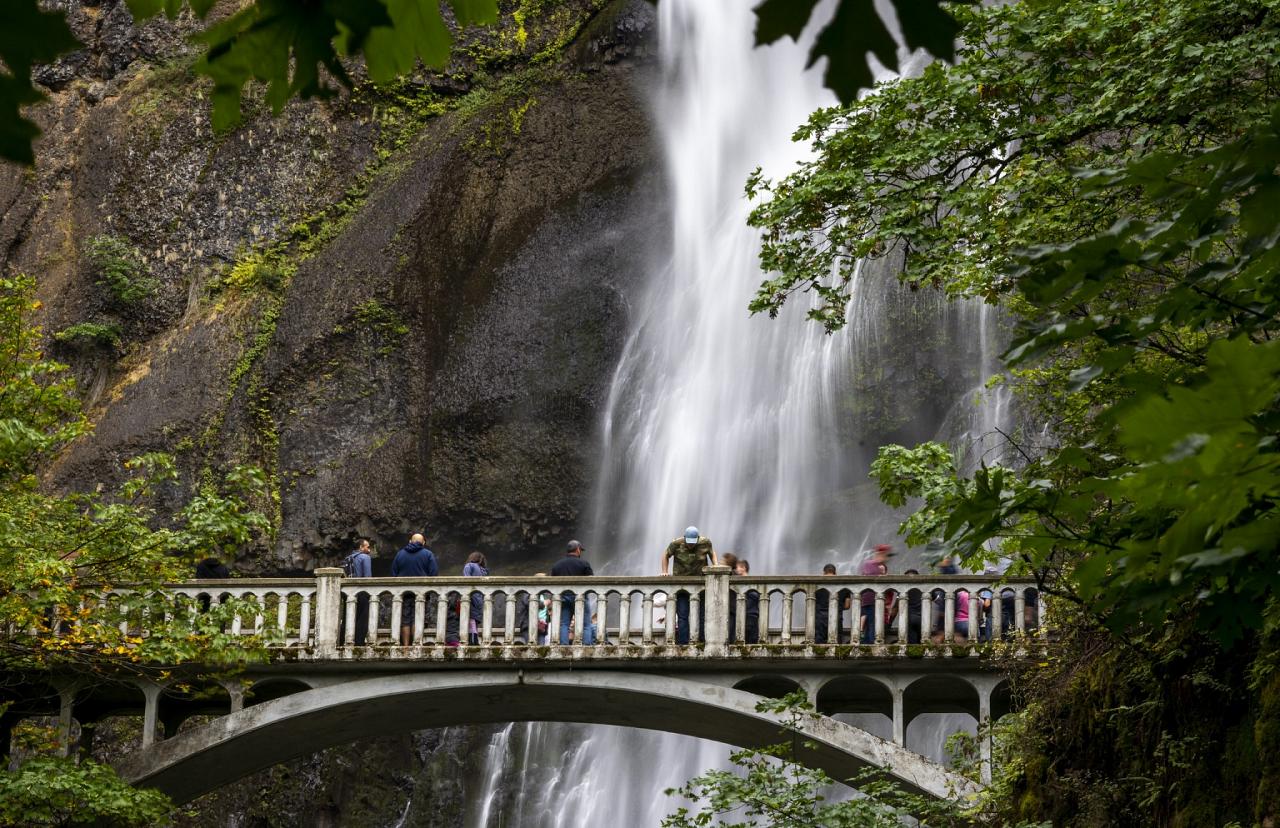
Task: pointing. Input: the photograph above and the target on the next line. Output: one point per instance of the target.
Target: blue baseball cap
(691, 535)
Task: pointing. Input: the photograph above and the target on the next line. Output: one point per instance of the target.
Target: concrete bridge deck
(321, 688)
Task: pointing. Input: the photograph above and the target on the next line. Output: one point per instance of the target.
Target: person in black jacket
(573, 566)
(210, 568)
(751, 635)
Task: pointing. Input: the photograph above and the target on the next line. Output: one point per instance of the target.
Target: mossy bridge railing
(359, 657)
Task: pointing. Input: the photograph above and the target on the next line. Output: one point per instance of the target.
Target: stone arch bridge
(355, 658)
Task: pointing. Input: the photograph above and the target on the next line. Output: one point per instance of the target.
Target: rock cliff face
(404, 303)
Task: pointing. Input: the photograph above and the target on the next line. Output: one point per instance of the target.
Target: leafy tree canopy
(1107, 172)
(80, 573)
(294, 47)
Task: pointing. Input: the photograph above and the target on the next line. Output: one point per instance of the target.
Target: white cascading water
(716, 418)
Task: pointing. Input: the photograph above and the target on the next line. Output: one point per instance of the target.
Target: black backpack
(349, 565)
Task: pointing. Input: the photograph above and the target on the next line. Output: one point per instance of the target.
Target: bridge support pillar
(150, 712)
(899, 718)
(717, 611)
(328, 603)
(984, 731)
(66, 708)
(236, 693)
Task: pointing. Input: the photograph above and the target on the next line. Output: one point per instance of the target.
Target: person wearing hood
(210, 568)
(415, 560)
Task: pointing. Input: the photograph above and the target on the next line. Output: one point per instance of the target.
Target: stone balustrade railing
(330, 613)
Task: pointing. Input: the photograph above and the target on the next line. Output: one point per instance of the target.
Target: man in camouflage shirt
(691, 553)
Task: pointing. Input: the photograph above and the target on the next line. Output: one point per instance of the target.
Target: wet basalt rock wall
(403, 304)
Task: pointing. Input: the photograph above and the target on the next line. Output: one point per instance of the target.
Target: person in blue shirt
(415, 560)
(359, 564)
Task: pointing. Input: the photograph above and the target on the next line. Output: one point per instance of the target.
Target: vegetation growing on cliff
(62, 555)
(1107, 173)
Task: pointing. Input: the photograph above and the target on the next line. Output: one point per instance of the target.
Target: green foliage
(258, 269)
(1147, 286)
(771, 787)
(38, 409)
(89, 336)
(927, 471)
(856, 29)
(118, 267)
(958, 168)
(62, 555)
(291, 47)
(28, 36)
(61, 792)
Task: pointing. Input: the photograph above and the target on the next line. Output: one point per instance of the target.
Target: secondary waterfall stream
(743, 426)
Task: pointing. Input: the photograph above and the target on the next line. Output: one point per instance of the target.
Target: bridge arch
(855, 694)
(769, 686)
(940, 693)
(205, 758)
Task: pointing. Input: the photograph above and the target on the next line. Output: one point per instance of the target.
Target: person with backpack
(691, 553)
(359, 564)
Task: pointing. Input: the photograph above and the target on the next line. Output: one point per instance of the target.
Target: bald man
(415, 560)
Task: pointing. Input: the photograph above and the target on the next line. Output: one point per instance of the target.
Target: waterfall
(716, 418)
(739, 425)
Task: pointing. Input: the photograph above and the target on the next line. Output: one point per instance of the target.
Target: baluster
(304, 620)
(579, 615)
(442, 617)
(1020, 609)
(695, 616)
(282, 616)
(486, 619)
(926, 615)
(740, 619)
(349, 626)
(397, 616)
(903, 603)
(879, 619)
(624, 618)
(464, 617)
(669, 628)
(646, 618)
(258, 601)
(535, 604)
(763, 637)
(975, 616)
(788, 604)
(834, 611)
(810, 614)
(949, 618)
(553, 624)
(371, 619)
(509, 629)
(997, 614)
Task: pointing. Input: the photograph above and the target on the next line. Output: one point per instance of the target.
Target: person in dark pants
(751, 635)
(691, 552)
(914, 601)
(415, 560)
(210, 568)
(572, 566)
(877, 564)
(359, 564)
(822, 612)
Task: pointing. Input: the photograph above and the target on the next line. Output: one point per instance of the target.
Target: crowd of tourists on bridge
(685, 556)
